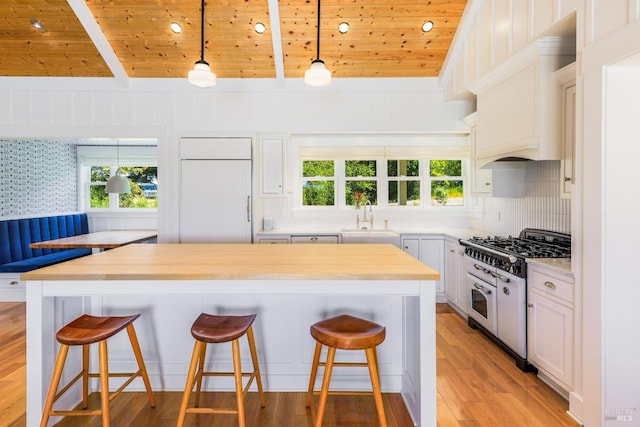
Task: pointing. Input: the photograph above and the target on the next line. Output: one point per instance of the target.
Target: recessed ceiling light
(35, 23)
(427, 26)
(343, 27)
(259, 28)
(175, 27)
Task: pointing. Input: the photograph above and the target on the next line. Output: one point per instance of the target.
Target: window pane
(98, 197)
(445, 167)
(144, 187)
(446, 193)
(100, 173)
(368, 190)
(317, 193)
(312, 168)
(360, 168)
(404, 193)
(403, 168)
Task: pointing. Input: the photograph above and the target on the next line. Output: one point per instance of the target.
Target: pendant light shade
(201, 74)
(317, 74)
(118, 183)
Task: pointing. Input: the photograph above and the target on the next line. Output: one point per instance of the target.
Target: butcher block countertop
(206, 261)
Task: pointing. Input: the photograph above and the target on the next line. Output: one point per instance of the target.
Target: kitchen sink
(365, 235)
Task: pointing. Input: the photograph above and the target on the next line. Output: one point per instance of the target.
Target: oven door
(482, 303)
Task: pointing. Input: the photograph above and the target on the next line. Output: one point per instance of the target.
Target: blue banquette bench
(16, 234)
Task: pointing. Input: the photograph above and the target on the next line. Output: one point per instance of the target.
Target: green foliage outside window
(318, 192)
(446, 191)
(137, 198)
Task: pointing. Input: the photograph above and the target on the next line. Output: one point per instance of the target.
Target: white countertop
(562, 265)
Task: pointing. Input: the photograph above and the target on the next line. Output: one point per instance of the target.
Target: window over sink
(383, 182)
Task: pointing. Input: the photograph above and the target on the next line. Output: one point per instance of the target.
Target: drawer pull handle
(550, 285)
(14, 283)
(530, 305)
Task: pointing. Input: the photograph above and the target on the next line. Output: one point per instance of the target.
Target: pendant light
(118, 183)
(317, 74)
(201, 74)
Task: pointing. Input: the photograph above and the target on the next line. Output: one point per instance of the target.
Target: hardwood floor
(477, 385)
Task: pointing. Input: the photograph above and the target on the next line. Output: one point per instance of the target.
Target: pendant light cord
(318, 37)
(202, 32)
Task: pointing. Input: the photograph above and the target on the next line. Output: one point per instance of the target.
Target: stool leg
(331, 353)
(375, 384)
(237, 371)
(189, 383)
(85, 376)
(53, 386)
(104, 381)
(314, 372)
(256, 367)
(143, 370)
(201, 358)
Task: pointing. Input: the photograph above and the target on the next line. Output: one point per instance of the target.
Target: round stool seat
(211, 328)
(348, 333)
(88, 329)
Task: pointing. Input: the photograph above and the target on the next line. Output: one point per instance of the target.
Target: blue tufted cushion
(43, 260)
(17, 234)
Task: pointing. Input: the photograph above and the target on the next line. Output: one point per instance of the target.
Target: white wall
(167, 109)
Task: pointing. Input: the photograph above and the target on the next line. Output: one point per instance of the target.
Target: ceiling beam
(276, 40)
(94, 31)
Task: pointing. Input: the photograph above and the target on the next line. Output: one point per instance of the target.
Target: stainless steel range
(497, 284)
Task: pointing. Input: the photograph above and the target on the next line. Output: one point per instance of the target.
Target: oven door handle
(482, 288)
(483, 269)
(500, 276)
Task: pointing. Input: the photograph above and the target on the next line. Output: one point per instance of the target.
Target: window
(361, 182)
(446, 182)
(137, 164)
(383, 182)
(318, 187)
(404, 182)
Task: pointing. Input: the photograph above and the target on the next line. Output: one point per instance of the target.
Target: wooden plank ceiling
(385, 37)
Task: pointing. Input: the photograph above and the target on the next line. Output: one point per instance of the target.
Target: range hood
(519, 105)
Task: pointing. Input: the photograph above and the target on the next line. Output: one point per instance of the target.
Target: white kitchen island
(288, 286)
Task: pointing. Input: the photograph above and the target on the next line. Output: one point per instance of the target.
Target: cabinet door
(412, 247)
(455, 270)
(549, 338)
(480, 178)
(568, 140)
(432, 254)
(272, 166)
(215, 201)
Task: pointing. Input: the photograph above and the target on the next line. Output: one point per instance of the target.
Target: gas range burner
(531, 243)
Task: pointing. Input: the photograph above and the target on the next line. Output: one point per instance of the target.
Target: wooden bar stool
(346, 333)
(212, 329)
(83, 331)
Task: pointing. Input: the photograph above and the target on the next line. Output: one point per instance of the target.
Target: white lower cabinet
(454, 274)
(550, 325)
(429, 249)
(12, 289)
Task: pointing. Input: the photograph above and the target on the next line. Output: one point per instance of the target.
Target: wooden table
(290, 286)
(98, 240)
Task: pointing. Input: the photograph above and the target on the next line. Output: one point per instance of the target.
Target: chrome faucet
(364, 218)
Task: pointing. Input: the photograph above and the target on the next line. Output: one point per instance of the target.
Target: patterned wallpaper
(37, 177)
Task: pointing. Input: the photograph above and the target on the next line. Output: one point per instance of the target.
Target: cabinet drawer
(551, 285)
(273, 241)
(314, 239)
(11, 283)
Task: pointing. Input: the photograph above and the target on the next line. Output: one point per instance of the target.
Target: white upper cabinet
(272, 165)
